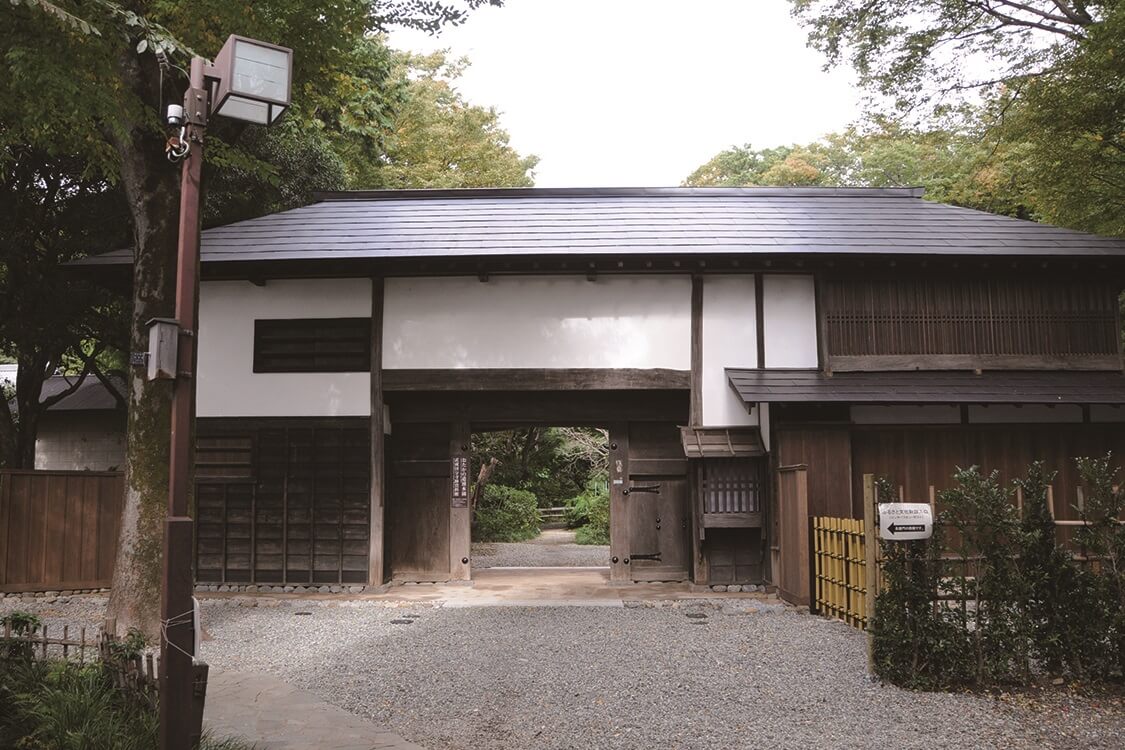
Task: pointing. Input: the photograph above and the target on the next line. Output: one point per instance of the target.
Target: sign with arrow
(904, 522)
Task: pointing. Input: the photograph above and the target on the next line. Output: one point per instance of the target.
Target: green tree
(438, 140)
(50, 213)
(1051, 74)
(953, 167)
(84, 78)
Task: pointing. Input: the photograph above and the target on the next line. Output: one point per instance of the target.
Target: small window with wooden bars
(312, 345)
(731, 490)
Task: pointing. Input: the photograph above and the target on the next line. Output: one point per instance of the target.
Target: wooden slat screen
(312, 345)
(969, 316)
(58, 529)
(730, 485)
(304, 515)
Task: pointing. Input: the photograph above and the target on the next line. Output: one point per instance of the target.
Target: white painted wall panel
(228, 386)
(538, 322)
(906, 414)
(1029, 414)
(729, 340)
(789, 309)
(1107, 413)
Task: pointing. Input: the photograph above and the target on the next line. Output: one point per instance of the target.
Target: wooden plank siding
(962, 323)
(920, 457)
(827, 451)
(58, 529)
(283, 501)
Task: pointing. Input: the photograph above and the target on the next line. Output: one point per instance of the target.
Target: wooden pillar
(699, 569)
(619, 540)
(376, 572)
(460, 514)
(870, 555)
(696, 417)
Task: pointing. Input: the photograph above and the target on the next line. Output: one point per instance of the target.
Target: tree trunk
(151, 186)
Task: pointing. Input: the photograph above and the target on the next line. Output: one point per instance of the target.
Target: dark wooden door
(657, 504)
(417, 502)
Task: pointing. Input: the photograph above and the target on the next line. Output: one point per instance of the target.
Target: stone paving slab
(271, 713)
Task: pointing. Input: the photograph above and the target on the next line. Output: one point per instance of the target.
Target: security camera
(176, 116)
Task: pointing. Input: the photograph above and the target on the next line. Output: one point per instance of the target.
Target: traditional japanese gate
(426, 529)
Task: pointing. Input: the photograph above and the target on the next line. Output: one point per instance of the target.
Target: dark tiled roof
(90, 396)
(623, 221)
(995, 387)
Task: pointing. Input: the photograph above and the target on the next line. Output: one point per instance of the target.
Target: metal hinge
(651, 556)
(653, 488)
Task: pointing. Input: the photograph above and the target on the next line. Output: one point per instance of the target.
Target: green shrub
(505, 514)
(589, 512)
(54, 704)
(1013, 602)
(63, 705)
(916, 644)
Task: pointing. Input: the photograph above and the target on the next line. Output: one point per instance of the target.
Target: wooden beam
(760, 318)
(460, 515)
(532, 379)
(696, 414)
(618, 509)
(376, 572)
(505, 410)
(906, 362)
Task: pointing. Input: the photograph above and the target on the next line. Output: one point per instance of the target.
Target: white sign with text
(904, 522)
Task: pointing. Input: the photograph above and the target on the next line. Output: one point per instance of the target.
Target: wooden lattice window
(312, 345)
(731, 485)
(1031, 319)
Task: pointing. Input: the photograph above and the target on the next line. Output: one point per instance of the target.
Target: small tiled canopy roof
(92, 395)
(928, 387)
(511, 222)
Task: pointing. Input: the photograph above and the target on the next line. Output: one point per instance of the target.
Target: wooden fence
(844, 567)
(838, 569)
(58, 529)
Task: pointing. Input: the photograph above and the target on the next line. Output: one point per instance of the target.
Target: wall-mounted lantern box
(163, 348)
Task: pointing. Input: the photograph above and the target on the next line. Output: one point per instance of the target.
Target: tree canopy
(954, 167)
(1042, 81)
(88, 81)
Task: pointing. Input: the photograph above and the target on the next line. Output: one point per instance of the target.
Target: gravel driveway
(553, 548)
(685, 677)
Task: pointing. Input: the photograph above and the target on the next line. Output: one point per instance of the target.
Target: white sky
(641, 92)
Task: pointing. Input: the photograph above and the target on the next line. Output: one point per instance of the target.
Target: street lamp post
(250, 81)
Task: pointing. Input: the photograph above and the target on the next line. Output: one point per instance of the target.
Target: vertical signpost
(892, 522)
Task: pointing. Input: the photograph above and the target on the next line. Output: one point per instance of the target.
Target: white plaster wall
(537, 322)
(1030, 414)
(922, 414)
(789, 309)
(228, 386)
(1107, 413)
(729, 340)
(81, 441)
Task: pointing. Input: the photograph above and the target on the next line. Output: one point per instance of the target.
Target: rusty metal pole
(177, 730)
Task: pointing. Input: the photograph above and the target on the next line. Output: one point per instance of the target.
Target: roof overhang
(928, 387)
(722, 442)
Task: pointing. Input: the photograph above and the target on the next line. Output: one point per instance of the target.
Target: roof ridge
(618, 192)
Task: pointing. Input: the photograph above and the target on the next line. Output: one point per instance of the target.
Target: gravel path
(553, 548)
(495, 678)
